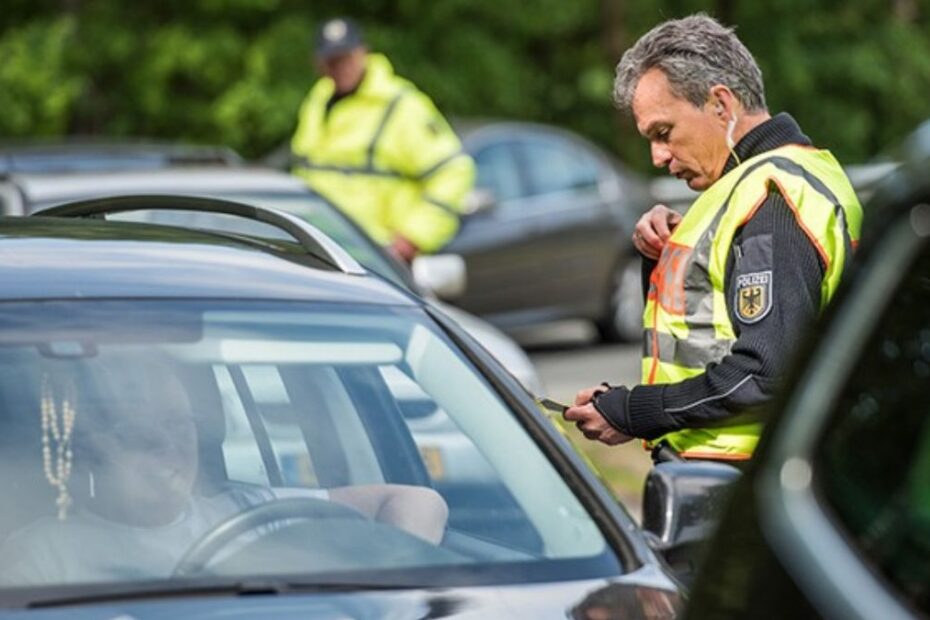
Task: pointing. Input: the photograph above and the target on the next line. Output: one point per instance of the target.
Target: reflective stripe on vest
(686, 316)
(369, 167)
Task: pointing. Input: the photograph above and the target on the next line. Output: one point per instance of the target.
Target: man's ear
(724, 103)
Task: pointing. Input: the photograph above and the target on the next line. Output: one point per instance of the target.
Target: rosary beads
(56, 438)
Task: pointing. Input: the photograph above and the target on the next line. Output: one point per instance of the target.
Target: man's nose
(661, 156)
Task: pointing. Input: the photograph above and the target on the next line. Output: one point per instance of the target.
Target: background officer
(378, 148)
(757, 256)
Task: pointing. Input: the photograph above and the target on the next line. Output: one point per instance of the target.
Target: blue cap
(338, 36)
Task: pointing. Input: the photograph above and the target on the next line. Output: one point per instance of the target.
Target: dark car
(551, 237)
(203, 423)
(833, 521)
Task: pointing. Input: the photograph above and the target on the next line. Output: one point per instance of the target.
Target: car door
(835, 520)
(574, 236)
(490, 239)
(859, 499)
(536, 253)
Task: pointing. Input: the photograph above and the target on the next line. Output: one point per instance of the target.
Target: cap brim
(329, 51)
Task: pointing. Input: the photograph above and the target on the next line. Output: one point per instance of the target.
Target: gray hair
(694, 53)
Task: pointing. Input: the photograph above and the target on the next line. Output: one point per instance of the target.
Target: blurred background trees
(856, 75)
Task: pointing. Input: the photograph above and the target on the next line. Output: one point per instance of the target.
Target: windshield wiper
(250, 587)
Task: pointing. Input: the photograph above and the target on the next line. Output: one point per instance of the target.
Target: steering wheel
(254, 518)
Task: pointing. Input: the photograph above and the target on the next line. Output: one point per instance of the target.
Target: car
(63, 180)
(199, 420)
(832, 519)
(35, 156)
(550, 236)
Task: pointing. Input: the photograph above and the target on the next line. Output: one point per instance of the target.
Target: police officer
(756, 257)
(378, 148)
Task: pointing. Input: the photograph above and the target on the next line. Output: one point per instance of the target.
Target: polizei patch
(753, 296)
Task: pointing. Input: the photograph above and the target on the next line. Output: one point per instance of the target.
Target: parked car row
(548, 235)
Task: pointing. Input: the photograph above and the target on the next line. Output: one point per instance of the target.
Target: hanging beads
(56, 438)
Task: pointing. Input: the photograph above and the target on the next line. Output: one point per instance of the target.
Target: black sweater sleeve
(771, 240)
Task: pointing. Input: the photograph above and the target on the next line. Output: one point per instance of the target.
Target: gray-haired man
(755, 258)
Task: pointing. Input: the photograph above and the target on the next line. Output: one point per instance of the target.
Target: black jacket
(771, 240)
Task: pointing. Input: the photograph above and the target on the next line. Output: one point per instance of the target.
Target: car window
(498, 171)
(555, 165)
(129, 430)
(873, 467)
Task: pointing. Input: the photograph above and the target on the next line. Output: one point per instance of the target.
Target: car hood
(575, 599)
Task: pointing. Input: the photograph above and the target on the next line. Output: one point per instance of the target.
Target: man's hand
(653, 230)
(592, 424)
(583, 397)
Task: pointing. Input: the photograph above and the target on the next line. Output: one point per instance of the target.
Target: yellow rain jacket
(386, 156)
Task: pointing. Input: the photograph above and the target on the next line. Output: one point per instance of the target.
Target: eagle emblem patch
(753, 296)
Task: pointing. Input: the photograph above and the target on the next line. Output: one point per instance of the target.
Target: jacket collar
(778, 131)
(379, 79)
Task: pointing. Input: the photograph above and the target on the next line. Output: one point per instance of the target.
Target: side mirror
(682, 505)
(442, 274)
(480, 199)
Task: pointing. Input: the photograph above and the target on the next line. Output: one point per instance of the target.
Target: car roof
(477, 129)
(45, 189)
(476, 132)
(89, 154)
(59, 258)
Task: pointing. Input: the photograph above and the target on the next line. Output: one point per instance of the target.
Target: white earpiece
(731, 125)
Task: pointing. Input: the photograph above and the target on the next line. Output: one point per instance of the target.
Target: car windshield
(145, 441)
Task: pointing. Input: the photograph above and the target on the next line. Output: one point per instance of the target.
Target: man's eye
(662, 134)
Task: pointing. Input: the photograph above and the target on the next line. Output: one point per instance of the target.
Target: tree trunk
(616, 41)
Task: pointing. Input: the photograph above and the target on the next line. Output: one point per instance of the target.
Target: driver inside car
(130, 508)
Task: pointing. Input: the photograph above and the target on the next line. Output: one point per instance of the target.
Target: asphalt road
(568, 358)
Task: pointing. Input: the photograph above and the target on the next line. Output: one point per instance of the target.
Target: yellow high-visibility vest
(686, 316)
(385, 156)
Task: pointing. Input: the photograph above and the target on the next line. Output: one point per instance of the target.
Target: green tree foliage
(37, 90)
(235, 71)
